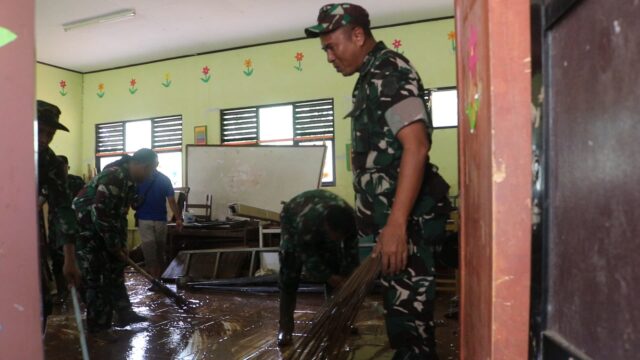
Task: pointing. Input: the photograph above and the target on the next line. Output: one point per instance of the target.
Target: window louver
(239, 125)
(110, 138)
(167, 132)
(313, 120)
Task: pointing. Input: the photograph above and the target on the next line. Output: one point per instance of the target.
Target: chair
(207, 206)
(182, 199)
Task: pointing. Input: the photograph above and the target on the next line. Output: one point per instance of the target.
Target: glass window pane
(137, 135)
(327, 170)
(104, 161)
(444, 108)
(276, 123)
(170, 164)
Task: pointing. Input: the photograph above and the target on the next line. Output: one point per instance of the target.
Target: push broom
(325, 338)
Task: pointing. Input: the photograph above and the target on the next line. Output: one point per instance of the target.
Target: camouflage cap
(334, 16)
(50, 114)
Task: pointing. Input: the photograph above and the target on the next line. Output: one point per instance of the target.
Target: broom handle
(141, 270)
(76, 312)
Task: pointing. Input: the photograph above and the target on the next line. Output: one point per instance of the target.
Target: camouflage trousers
(409, 302)
(103, 281)
(291, 268)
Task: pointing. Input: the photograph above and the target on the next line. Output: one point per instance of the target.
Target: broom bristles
(327, 334)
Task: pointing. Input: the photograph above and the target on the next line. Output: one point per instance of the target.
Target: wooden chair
(207, 206)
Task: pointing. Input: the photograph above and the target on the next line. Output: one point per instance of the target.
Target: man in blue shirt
(151, 212)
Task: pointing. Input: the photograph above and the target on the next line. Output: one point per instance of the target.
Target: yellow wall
(274, 81)
(48, 88)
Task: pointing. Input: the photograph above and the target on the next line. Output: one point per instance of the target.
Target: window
(300, 123)
(443, 107)
(163, 135)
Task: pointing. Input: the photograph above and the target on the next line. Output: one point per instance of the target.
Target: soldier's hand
(71, 273)
(392, 247)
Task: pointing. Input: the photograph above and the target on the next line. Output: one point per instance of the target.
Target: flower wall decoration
(248, 65)
(63, 86)
(206, 75)
(100, 92)
(167, 80)
(132, 86)
(6, 36)
(299, 57)
(452, 38)
(397, 44)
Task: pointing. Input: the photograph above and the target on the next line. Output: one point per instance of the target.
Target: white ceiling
(169, 28)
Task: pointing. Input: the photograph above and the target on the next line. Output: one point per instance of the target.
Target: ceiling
(169, 28)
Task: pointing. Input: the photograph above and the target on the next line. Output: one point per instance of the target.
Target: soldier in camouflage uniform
(101, 208)
(400, 198)
(54, 241)
(319, 237)
(52, 188)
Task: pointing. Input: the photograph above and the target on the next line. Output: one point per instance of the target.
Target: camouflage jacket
(103, 204)
(388, 96)
(53, 189)
(74, 185)
(303, 232)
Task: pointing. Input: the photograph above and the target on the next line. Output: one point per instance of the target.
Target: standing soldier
(54, 240)
(52, 186)
(400, 198)
(102, 208)
(319, 236)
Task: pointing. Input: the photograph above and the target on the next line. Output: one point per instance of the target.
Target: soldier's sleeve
(104, 213)
(59, 199)
(399, 94)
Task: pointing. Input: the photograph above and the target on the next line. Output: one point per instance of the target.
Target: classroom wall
(69, 100)
(274, 80)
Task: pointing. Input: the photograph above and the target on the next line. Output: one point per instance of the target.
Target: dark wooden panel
(593, 179)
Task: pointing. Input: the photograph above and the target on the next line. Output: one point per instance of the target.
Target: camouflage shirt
(52, 184)
(103, 204)
(74, 184)
(303, 233)
(388, 96)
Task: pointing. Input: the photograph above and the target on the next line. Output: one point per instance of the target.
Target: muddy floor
(223, 326)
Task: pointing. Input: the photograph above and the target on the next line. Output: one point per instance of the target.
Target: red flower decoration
(63, 84)
(133, 82)
(205, 70)
(299, 56)
(397, 43)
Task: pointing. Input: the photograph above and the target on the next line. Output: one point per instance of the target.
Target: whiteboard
(260, 176)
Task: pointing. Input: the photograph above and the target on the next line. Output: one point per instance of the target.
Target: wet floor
(223, 326)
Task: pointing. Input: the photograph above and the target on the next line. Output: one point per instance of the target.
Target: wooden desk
(197, 237)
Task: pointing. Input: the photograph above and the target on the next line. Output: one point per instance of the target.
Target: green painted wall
(274, 80)
(48, 88)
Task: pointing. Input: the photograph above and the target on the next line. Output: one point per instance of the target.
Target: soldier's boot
(127, 317)
(287, 308)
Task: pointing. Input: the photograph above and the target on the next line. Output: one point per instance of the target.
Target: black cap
(145, 156)
(50, 114)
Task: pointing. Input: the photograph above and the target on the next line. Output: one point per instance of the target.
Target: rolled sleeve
(406, 112)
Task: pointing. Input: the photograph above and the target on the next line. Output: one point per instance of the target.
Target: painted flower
(299, 57)
(397, 44)
(100, 92)
(452, 37)
(248, 64)
(63, 85)
(167, 80)
(205, 71)
(132, 86)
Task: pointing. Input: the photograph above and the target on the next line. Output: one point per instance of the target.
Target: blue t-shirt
(154, 206)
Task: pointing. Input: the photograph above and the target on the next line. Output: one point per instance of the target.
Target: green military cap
(334, 16)
(50, 114)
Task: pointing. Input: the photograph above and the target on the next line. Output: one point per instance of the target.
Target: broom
(325, 338)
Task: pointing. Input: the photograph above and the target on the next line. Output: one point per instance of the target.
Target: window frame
(296, 141)
(428, 96)
(158, 150)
